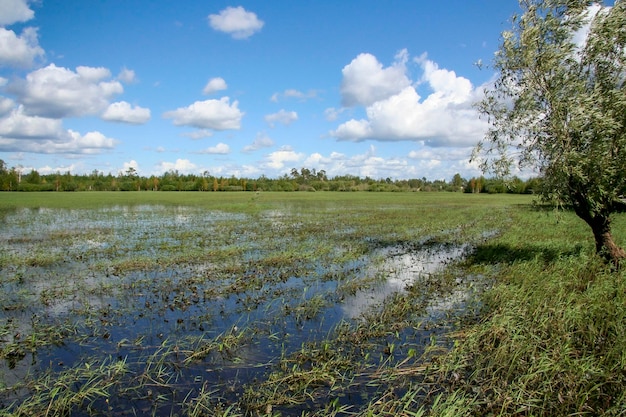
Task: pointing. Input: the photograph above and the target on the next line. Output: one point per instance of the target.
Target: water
(133, 283)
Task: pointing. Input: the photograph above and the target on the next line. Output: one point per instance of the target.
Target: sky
(374, 88)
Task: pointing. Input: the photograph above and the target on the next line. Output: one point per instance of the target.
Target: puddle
(402, 267)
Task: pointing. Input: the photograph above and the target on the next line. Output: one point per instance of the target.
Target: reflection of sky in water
(90, 240)
(401, 268)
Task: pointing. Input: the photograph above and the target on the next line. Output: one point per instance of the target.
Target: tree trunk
(600, 223)
(605, 245)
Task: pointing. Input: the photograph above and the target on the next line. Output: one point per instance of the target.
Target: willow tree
(559, 105)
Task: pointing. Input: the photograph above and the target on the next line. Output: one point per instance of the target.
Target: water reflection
(271, 272)
(401, 267)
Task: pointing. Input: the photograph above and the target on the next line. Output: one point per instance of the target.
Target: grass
(229, 304)
(551, 340)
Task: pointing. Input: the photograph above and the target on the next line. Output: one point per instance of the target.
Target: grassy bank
(551, 340)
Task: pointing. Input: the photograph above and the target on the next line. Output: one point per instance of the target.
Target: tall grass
(552, 337)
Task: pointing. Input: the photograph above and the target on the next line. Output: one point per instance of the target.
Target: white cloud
(59, 92)
(293, 93)
(6, 105)
(237, 22)
(283, 156)
(445, 118)
(219, 149)
(353, 130)
(208, 114)
(89, 143)
(214, 85)
(199, 134)
(19, 51)
(261, 141)
(588, 16)
(184, 166)
(130, 164)
(365, 81)
(18, 125)
(122, 111)
(332, 113)
(13, 11)
(127, 76)
(284, 117)
(20, 132)
(367, 164)
(47, 169)
(445, 84)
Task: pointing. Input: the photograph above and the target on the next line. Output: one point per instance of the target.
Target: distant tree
(131, 172)
(457, 182)
(559, 104)
(32, 177)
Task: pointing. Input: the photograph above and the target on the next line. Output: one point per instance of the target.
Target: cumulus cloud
(20, 132)
(365, 81)
(446, 117)
(18, 125)
(124, 112)
(184, 166)
(367, 164)
(127, 165)
(283, 117)
(19, 51)
(209, 114)
(6, 105)
(261, 141)
(237, 22)
(219, 149)
(280, 158)
(88, 144)
(214, 85)
(59, 92)
(13, 11)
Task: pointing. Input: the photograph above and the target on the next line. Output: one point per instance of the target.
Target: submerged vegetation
(304, 304)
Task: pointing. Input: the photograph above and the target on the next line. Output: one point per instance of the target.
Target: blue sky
(369, 88)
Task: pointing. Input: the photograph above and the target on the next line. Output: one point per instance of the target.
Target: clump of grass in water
(225, 344)
(76, 388)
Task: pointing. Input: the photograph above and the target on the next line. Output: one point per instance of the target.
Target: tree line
(304, 179)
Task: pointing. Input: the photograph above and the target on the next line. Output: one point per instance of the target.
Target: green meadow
(305, 304)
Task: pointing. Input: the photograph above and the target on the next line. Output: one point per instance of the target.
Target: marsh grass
(238, 303)
(552, 339)
(79, 387)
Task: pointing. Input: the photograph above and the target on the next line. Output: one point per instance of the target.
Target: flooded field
(264, 307)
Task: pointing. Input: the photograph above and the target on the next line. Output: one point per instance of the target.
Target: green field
(234, 304)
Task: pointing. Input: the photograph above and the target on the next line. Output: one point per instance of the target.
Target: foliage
(559, 104)
(304, 180)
